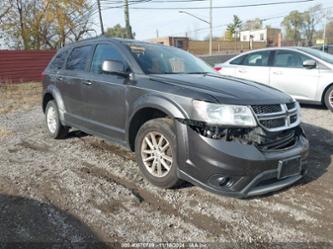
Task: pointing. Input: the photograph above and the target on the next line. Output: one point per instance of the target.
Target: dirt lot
(85, 189)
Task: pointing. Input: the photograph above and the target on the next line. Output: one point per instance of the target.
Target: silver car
(304, 73)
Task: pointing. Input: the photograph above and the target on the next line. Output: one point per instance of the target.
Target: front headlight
(224, 115)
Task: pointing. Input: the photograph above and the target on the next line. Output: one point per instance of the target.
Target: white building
(270, 36)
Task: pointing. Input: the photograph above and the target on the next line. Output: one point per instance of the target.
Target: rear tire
(54, 127)
(329, 98)
(156, 152)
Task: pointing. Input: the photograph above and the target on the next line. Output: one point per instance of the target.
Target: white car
(304, 73)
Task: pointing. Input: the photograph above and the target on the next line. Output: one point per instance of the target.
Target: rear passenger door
(104, 96)
(255, 66)
(72, 79)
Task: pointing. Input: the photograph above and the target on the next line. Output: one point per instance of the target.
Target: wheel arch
(324, 93)
(148, 108)
(53, 93)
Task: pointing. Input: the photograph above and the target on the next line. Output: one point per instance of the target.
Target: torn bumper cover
(243, 162)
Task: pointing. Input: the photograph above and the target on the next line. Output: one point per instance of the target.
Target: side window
(59, 60)
(237, 61)
(104, 52)
(78, 59)
(259, 59)
(291, 59)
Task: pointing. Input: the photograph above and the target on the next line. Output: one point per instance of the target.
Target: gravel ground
(85, 189)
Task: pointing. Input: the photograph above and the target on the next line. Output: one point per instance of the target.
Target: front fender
(162, 103)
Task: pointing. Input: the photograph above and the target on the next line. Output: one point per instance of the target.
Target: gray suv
(184, 121)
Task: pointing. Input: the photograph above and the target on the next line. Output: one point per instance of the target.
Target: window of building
(179, 43)
(262, 37)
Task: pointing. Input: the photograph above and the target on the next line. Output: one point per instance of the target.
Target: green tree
(311, 18)
(253, 24)
(119, 31)
(293, 25)
(233, 28)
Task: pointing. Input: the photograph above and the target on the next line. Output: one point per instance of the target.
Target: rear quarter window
(59, 60)
(78, 59)
(237, 61)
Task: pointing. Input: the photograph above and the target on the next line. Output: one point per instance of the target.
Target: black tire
(328, 95)
(60, 131)
(165, 127)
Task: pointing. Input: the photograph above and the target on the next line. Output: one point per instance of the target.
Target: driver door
(105, 95)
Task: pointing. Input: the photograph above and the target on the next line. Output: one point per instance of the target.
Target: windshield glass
(321, 55)
(158, 59)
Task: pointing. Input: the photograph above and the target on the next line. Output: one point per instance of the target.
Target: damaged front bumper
(241, 164)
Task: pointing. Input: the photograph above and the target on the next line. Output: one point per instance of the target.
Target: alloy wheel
(330, 98)
(51, 118)
(156, 154)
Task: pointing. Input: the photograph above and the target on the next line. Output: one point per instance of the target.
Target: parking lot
(86, 189)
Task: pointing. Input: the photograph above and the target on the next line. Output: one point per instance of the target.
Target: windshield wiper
(204, 73)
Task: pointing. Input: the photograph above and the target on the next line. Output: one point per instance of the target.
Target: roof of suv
(105, 38)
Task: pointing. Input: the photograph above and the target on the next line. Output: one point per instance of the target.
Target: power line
(221, 7)
(222, 26)
(155, 1)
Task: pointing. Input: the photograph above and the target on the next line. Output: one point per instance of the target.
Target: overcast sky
(170, 22)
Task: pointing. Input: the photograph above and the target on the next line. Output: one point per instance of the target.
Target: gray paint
(104, 105)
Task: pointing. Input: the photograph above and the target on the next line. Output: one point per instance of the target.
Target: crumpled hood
(228, 90)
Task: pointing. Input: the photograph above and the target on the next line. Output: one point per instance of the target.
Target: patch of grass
(19, 97)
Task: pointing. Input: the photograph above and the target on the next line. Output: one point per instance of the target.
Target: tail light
(217, 69)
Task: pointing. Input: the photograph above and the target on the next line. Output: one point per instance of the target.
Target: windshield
(321, 55)
(158, 59)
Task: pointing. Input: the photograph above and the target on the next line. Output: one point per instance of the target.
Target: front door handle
(87, 82)
(60, 78)
(277, 72)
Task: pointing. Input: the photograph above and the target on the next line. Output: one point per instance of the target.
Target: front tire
(329, 98)
(156, 152)
(54, 127)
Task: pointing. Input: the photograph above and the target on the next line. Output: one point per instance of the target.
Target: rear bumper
(242, 169)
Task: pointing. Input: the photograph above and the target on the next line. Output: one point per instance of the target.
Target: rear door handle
(60, 78)
(277, 73)
(87, 82)
(242, 70)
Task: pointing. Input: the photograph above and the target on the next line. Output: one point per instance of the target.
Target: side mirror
(309, 64)
(114, 67)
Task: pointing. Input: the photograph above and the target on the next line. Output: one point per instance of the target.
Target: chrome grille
(277, 117)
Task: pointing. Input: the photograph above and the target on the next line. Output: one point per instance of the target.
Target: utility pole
(100, 16)
(210, 27)
(127, 20)
(324, 33)
(210, 23)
